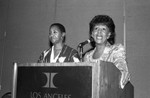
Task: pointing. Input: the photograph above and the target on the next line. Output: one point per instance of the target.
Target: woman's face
(55, 35)
(100, 34)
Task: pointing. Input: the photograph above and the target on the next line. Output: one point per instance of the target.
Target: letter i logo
(49, 82)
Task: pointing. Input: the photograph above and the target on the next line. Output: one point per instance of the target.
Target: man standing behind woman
(102, 30)
(59, 51)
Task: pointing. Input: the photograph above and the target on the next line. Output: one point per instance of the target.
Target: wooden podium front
(66, 80)
(109, 81)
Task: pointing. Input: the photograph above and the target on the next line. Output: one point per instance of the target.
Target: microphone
(86, 42)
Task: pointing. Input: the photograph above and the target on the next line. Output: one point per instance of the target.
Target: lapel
(62, 53)
(47, 57)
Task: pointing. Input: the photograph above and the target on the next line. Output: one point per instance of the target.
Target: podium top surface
(58, 64)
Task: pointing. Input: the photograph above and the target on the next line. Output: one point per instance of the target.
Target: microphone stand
(80, 46)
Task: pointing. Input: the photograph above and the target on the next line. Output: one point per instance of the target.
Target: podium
(67, 80)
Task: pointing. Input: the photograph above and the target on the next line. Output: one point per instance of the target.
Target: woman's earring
(108, 36)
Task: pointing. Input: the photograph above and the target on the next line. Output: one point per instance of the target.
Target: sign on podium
(54, 80)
